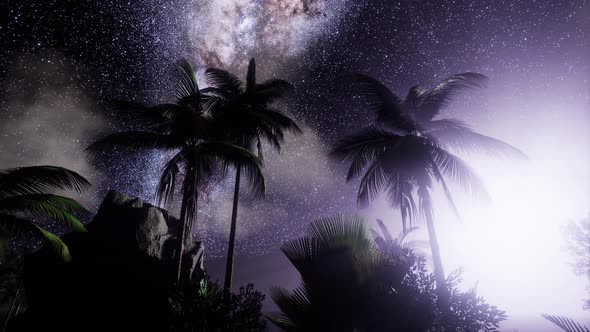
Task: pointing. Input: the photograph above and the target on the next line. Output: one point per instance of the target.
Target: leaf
(458, 137)
(566, 324)
(384, 103)
(39, 180)
(444, 92)
(49, 207)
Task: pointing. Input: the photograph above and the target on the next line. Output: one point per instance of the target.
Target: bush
(203, 308)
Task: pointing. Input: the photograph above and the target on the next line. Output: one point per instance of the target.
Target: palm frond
(130, 141)
(271, 90)
(237, 157)
(226, 83)
(384, 231)
(444, 92)
(458, 137)
(384, 103)
(13, 226)
(187, 89)
(157, 118)
(301, 252)
(293, 306)
(342, 230)
(372, 184)
(459, 172)
(55, 242)
(39, 180)
(566, 324)
(447, 192)
(167, 184)
(48, 207)
(275, 119)
(415, 96)
(363, 147)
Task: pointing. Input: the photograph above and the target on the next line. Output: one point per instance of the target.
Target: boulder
(120, 275)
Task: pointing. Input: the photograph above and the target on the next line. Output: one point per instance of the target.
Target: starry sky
(62, 62)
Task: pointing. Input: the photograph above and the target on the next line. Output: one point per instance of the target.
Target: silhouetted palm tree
(406, 152)
(347, 283)
(26, 201)
(184, 127)
(243, 115)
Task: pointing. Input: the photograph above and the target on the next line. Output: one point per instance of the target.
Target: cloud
(47, 118)
(227, 33)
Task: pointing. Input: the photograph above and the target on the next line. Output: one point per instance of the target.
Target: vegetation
(407, 151)
(566, 324)
(202, 308)
(245, 114)
(577, 236)
(349, 283)
(578, 243)
(27, 202)
(186, 128)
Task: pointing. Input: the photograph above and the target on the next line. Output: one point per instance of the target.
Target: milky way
(127, 50)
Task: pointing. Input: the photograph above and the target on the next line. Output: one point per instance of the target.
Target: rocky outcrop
(134, 225)
(120, 275)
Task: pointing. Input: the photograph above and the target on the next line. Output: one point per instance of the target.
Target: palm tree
(185, 128)
(405, 153)
(244, 114)
(347, 283)
(26, 199)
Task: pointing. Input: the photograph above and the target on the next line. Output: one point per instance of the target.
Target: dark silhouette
(246, 115)
(12, 299)
(26, 199)
(577, 236)
(204, 307)
(348, 284)
(185, 127)
(405, 152)
(120, 277)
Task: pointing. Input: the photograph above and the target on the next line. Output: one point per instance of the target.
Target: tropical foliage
(185, 129)
(246, 114)
(205, 307)
(577, 235)
(467, 311)
(566, 324)
(27, 203)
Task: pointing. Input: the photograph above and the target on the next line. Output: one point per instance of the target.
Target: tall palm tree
(26, 200)
(408, 150)
(185, 128)
(244, 114)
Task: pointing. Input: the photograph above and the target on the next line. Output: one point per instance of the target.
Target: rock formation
(119, 277)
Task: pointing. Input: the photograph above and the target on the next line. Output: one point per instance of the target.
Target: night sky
(62, 62)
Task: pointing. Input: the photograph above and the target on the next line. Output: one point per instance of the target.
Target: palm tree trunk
(229, 268)
(188, 213)
(439, 274)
